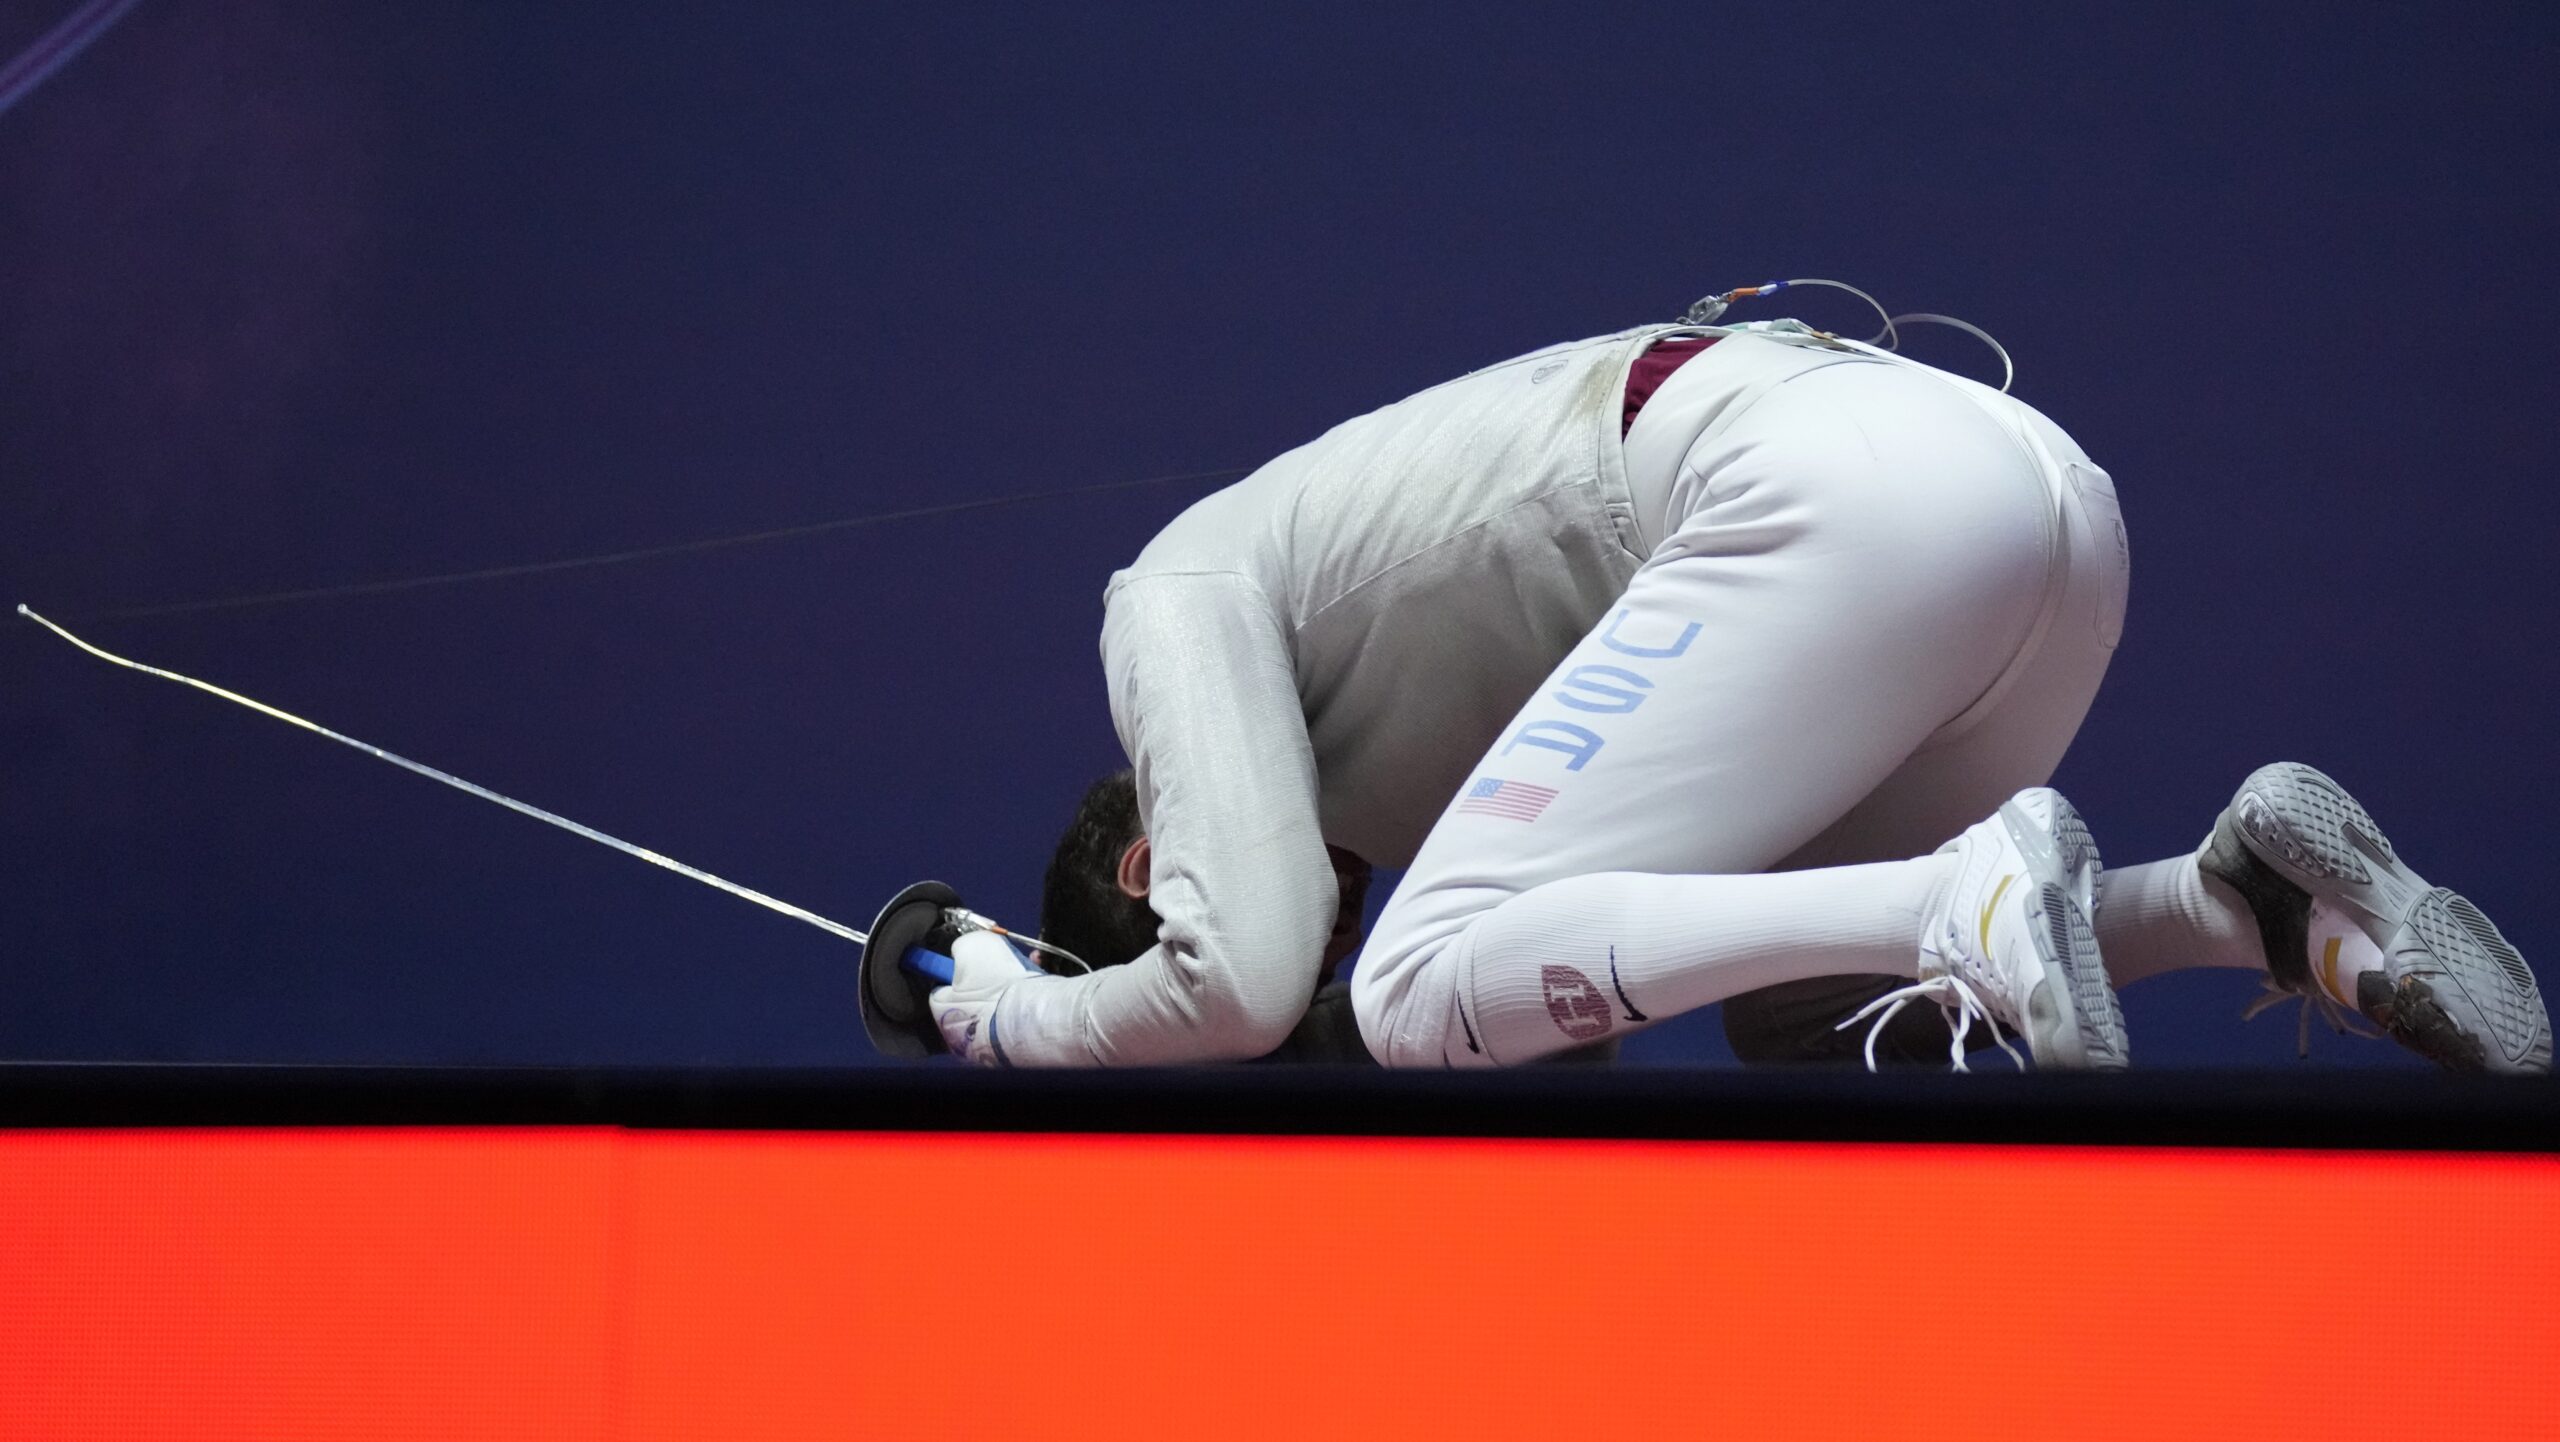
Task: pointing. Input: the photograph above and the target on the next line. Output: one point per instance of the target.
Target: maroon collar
(1653, 368)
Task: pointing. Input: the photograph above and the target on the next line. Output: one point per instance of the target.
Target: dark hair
(1082, 907)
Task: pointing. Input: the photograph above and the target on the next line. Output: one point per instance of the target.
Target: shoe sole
(2453, 988)
(2073, 1019)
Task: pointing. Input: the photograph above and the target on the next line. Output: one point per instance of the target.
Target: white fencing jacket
(1320, 652)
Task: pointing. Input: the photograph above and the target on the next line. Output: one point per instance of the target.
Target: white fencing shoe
(2010, 939)
(2428, 968)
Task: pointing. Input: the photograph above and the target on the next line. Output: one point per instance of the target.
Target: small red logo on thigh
(1579, 1009)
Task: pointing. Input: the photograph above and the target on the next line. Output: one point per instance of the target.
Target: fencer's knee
(1405, 1002)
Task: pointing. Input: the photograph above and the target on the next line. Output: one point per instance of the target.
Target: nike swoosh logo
(1632, 1013)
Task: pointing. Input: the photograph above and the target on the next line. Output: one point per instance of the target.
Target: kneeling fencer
(1689, 664)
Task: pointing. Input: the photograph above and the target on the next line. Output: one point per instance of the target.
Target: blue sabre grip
(924, 962)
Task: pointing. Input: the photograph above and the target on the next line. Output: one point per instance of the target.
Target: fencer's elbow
(1246, 1000)
(1254, 1021)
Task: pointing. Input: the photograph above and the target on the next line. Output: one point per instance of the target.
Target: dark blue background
(298, 295)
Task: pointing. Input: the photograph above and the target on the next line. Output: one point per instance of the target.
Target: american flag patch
(1514, 800)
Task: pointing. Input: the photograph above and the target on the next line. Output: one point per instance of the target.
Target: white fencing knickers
(1878, 600)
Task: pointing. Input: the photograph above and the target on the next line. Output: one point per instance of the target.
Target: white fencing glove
(984, 966)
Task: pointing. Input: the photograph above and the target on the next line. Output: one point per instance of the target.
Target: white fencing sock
(1575, 960)
(2167, 916)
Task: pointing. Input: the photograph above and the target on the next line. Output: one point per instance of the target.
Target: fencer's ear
(1136, 865)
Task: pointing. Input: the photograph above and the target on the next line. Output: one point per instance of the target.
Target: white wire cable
(1890, 339)
(970, 918)
(484, 793)
(1709, 309)
(2008, 367)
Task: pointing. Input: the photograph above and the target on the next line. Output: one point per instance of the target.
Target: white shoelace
(1954, 995)
(2341, 1020)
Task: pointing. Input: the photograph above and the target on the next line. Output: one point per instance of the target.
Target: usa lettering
(1607, 690)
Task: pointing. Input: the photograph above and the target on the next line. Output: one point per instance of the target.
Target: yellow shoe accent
(1987, 907)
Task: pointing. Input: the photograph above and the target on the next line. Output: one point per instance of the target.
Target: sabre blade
(744, 893)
